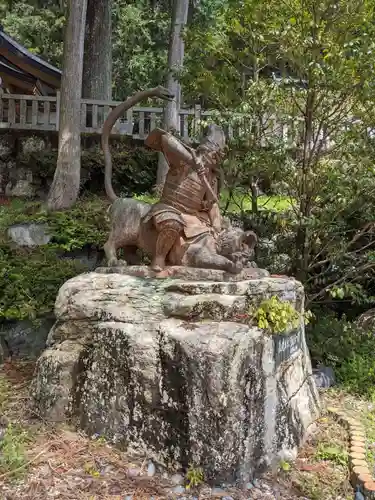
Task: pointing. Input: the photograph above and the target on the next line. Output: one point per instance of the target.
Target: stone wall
(17, 178)
(28, 162)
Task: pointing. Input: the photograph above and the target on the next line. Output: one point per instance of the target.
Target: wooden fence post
(197, 119)
(58, 110)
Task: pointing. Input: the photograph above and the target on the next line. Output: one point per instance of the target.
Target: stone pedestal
(171, 366)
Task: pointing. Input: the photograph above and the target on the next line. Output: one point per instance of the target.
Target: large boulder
(367, 320)
(172, 367)
(25, 339)
(29, 234)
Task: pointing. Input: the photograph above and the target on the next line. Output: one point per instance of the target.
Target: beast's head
(237, 245)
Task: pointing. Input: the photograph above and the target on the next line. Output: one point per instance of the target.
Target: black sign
(286, 346)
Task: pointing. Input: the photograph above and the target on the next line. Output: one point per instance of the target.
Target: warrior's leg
(168, 232)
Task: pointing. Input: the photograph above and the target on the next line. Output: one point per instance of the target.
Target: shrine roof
(24, 72)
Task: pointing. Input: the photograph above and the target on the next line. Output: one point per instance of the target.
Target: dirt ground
(39, 461)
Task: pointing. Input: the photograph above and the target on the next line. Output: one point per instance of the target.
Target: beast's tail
(113, 116)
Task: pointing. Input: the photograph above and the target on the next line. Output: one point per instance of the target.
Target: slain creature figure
(184, 227)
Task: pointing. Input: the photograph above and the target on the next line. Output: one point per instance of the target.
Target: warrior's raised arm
(174, 151)
(179, 154)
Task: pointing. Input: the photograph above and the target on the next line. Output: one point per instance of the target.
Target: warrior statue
(184, 227)
(188, 208)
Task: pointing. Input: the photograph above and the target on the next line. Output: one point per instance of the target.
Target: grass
(362, 407)
(80, 467)
(241, 202)
(14, 437)
(13, 459)
(368, 419)
(4, 393)
(18, 210)
(321, 470)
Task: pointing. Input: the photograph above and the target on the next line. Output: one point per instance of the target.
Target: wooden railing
(25, 112)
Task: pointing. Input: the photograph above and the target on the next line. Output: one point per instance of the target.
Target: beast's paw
(235, 268)
(158, 264)
(117, 263)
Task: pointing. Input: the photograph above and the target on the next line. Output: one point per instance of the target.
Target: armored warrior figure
(188, 208)
(184, 227)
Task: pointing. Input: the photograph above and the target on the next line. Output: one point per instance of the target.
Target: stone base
(186, 273)
(167, 367)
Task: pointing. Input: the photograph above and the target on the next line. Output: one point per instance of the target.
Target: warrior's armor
(183, 209)
(183, 189)
(183, 194)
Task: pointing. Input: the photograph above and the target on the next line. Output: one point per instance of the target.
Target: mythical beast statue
(184, 228)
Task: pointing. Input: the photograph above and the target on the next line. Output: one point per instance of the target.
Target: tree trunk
(302, 236)
(65, 186)
(97, 64)
(254, 195)
(175, 63)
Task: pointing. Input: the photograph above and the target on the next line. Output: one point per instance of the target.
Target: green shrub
(335, 454)
(85, 224)
(31, 278)
(277, 316)
(134, 168)
(346, 347)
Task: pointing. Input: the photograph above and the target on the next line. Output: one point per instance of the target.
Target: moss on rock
(31, 277)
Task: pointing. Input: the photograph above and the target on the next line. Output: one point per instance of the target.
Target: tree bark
(97, 63)
(65, 186)
(175, 63)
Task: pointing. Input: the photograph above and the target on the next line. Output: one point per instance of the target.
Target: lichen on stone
(163, 366)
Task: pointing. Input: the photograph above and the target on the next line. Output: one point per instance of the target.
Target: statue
(184, 227)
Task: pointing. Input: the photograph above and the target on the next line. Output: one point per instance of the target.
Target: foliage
(31, 278)
(38, 27)
(140, 38)
(12, 449)
(85, 224)
(5, 391)
(194, 476)
(334, 454)
(308, 65)
(264, 67)
(134, 168)
(140, 47)
(346, 347)
(276, 316)
(239, 201)
(225, 55)
(30, 282)
(284, 466)
(368, 418)
(91, 469)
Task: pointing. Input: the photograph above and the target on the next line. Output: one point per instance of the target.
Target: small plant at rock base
(284, 466)
(276, 316)
(91, 469)
(12, 450)
(333, 454)
(194, 477)
(5, 391)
